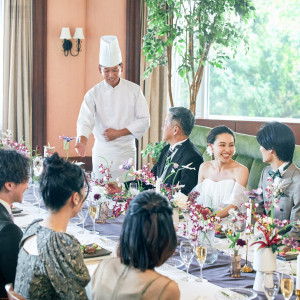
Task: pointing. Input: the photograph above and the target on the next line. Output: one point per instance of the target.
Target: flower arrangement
(236, 241)
(202, 218)
(7, 142)
(271, 232)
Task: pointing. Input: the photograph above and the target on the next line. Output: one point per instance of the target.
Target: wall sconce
(67, 44)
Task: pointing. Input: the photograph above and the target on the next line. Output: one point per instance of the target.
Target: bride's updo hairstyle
(212, 135)
(148, 236)
(59, 180)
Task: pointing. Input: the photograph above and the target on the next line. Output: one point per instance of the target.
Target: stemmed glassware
(271, 284)
(93, 211)
(287, 286)
(133, 188)
(37, 194)
(82, 214)
(186, 254)
(201, 253)
(186, 214)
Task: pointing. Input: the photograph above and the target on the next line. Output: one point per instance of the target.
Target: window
(263, 83)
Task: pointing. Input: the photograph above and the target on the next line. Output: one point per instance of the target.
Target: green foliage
(265, 82)
(153, 149)
(191, 29)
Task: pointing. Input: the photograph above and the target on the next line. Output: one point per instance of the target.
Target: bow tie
(274, 174)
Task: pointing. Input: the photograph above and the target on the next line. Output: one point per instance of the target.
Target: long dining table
(217, 275)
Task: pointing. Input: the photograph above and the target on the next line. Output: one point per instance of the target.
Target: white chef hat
(110, 53)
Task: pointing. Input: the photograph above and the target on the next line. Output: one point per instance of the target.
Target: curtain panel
(17, 69)
(155, 89)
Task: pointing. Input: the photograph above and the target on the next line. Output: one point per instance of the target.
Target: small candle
(249, 214)
(157, 186)
(298, 273)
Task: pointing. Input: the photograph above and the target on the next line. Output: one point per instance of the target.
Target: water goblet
(93, 211)
(82, 214)
(133, 188)
(186, 214)
(270, 284)
(287, 286)
(186, 254)
(37, 194)
(201, 253)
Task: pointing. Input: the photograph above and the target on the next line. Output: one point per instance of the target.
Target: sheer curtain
(1, 61)
(17, 66)
(155, 89)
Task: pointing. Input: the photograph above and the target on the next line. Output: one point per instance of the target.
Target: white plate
(236, 293)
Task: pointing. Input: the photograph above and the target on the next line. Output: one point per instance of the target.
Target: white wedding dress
(219, 194)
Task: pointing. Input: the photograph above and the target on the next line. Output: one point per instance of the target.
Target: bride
(221, 181)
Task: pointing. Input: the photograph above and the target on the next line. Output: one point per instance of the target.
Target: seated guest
(179, 152)
(147, 240)
(14, 170)
(221, 181)
(50, 263)
(277, 145)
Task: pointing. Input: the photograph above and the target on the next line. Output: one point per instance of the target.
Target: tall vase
(206, 239)
(175, 217)
(264, 261)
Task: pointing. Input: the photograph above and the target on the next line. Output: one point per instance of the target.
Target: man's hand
(80, 146)
(111, 134)
(112, 188)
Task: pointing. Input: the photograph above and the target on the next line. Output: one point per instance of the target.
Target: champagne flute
(186, 254)
(287, 286)
(201, 253)
(270, 284)
(82, 214)
(93, 211)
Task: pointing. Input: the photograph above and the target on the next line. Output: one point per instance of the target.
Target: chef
(115, 110)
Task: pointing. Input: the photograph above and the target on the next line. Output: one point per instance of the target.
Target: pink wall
(69, 78)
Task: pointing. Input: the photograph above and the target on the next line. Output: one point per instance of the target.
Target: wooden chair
(12, 295)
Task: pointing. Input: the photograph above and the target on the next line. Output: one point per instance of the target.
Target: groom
(277, 142)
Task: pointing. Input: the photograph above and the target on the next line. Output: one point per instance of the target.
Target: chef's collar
(107, 85)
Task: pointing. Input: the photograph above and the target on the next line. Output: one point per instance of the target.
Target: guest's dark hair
(14, 167)
(278, 137)
(184, 117)
(148, 236)
(212, 135)
(59, 180)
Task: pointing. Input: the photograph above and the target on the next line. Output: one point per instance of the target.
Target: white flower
(209, 151)
(188, 167)
(180, 200)
(79, 163)
(38, 166)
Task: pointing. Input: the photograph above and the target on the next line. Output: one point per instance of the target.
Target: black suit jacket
(186, 154)
(10, 237)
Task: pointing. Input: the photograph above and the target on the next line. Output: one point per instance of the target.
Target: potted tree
(199, 31)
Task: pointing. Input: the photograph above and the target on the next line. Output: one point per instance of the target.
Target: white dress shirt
(6, 205)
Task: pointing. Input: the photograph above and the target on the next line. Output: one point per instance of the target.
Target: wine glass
(133, 188)
(93, 211)
(37, 194)
(82, 214)
(287, 286)
(186, 254)
(186, 214)
(271, 283)
(201, 253)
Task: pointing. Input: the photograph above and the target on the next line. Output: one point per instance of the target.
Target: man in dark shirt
(14, 170)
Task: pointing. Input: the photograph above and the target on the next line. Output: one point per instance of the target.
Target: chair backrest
(247, 152)
(12, 295)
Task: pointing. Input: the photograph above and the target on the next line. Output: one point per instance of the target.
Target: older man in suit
(14, 169)
(277, 142)
(180, 160)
